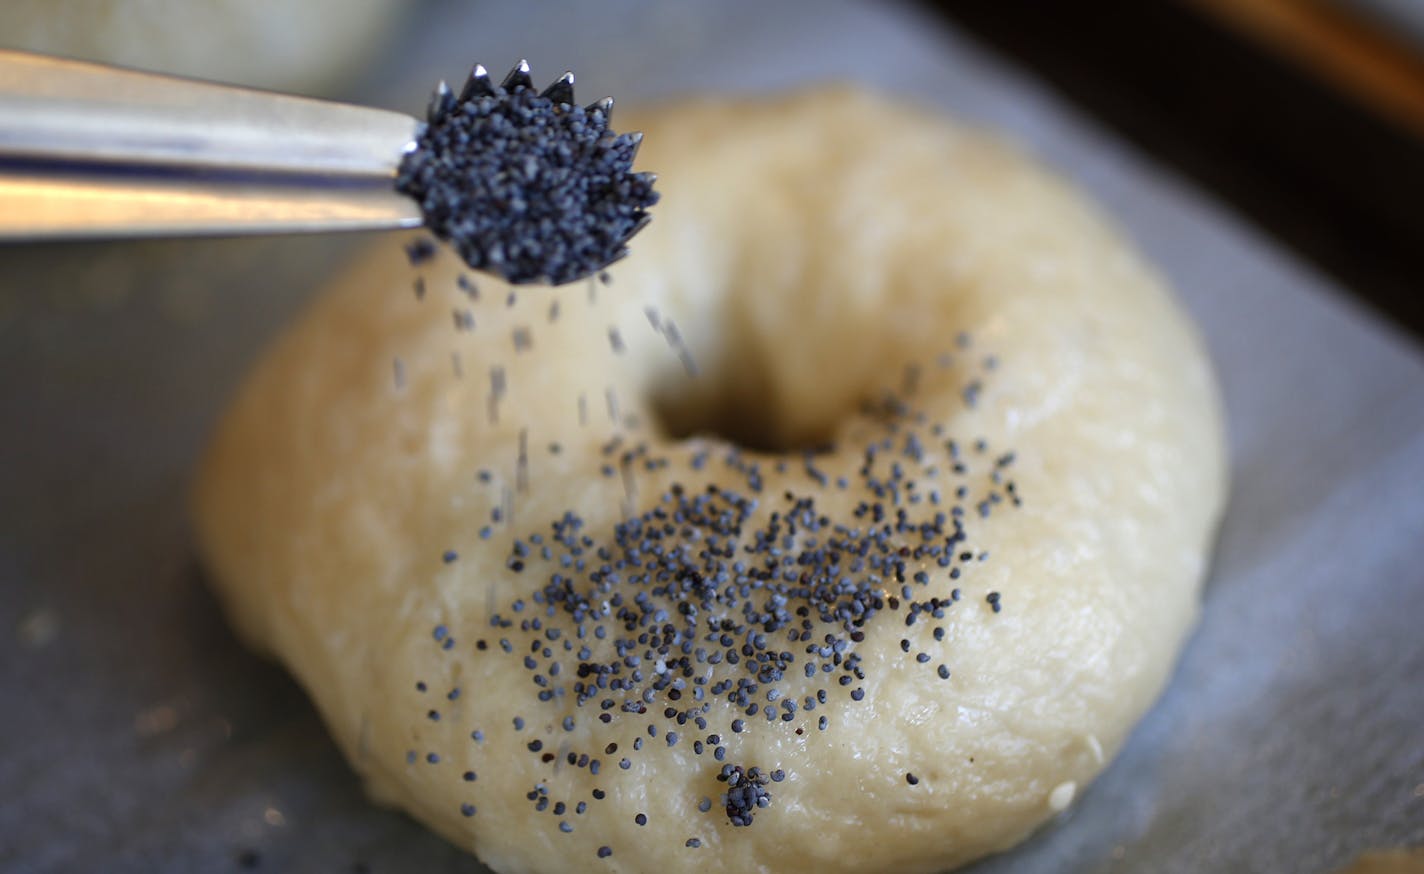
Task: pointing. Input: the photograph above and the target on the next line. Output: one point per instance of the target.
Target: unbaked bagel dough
(369, 505)
(295, 45)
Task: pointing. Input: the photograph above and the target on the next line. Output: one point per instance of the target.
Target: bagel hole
(736, 405)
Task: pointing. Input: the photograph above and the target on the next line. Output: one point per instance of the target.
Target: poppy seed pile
(721, 607)
(523, 183)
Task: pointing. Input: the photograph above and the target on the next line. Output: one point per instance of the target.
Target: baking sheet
(137, 735)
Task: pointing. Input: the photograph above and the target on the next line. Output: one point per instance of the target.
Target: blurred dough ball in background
(309, 46)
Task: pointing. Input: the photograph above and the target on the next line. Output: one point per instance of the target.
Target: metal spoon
(93, 151)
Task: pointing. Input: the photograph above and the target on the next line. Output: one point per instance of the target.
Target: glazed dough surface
(812, 251)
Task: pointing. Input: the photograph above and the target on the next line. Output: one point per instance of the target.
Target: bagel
(850, 525)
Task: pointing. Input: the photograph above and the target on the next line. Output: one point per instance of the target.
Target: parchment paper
(137, 735)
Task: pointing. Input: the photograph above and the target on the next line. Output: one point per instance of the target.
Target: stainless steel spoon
(93, 151)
